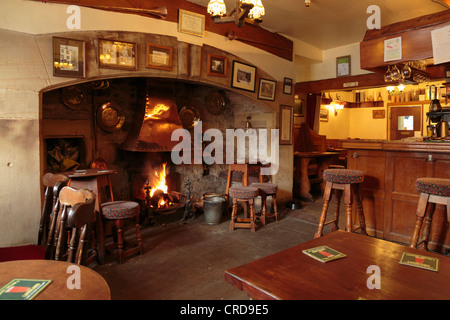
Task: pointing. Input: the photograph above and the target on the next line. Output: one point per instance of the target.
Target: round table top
(92, 285)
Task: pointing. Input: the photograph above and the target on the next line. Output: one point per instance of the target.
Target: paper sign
(440, 40)
(393, 49)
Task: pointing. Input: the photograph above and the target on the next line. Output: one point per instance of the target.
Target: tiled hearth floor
(186, 261)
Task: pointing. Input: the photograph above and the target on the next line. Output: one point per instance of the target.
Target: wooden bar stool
(432, 191)
(347, 181)
(119, 212)
(265, 190)
(245, 194)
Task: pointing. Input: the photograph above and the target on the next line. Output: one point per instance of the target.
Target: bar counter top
(442, 146)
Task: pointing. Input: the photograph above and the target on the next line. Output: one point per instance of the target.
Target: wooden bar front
(389, 190)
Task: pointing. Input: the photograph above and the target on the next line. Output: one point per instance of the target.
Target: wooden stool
(432, 191)
(119, 211)
(342, 180)
(267, 189)
(243, 194)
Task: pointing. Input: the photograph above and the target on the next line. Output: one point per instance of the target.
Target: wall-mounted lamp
(335, 105)
(250, 11)
(307, 3)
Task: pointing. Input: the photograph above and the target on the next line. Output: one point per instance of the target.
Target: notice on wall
(393, 49)
(440, 40)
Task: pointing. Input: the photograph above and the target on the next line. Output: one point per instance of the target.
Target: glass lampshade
(216, 8)
(257, 11)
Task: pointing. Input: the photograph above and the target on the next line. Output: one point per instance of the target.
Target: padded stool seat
(342, 181)
(119, 211)
(243, 194)
(267, 189)
(432, 191)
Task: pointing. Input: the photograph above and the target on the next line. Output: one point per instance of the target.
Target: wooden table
(99, 181)
(292, 275)
(301, 163)
(92, 285)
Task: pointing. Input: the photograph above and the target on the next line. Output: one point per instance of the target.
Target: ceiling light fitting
(245, 11)
(307, 3)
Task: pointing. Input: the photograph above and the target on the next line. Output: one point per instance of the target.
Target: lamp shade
(216, 8)
(257, 11)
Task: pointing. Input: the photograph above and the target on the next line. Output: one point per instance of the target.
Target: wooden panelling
(389, 189)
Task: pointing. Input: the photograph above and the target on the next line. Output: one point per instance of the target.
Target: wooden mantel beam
(263, 39)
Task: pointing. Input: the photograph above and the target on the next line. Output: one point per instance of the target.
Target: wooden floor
(186, 261)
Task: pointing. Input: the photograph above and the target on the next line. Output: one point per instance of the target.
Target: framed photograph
(286, 124)
(68, 58)
(217, 65)
(378, 114)
(323, 115)
(343, 65)
(191, 23)
(299, 107)
(116, 54)
(287, 86)
(158, 57)
(267, 89)
(243, 76)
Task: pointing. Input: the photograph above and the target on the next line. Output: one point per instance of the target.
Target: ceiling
(328, 24)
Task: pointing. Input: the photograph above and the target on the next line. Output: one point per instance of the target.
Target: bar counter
(389, 191)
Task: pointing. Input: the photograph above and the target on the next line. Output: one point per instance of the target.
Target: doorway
(404, 121)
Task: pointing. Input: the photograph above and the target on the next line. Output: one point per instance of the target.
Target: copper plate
(74, 98)
(188, 117)
(109, 118)
(215, 103)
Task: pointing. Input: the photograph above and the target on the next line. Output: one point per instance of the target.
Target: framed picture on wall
(158, 57)
(323, 115)
(191, 23)
(343, 66)
(267, 89)
(286, 117)
(287, 86)
(217, 65)
(116, 54)
(299, 107)
(68, 58)
(243, 76)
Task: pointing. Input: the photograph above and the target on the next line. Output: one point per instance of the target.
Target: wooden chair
(342, 181)
(74, 221)
(432, 191)
(53, 184)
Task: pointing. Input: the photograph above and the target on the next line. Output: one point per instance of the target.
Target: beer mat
(324, 253)
(22, 289)
(419, 261)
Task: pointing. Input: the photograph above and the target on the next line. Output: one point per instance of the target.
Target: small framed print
(267, 89)
(116, 54)
(287, 86)
(158, 57)
(68, 58)
(299, 110)
(378, 114)
(286, 117)
(343, 65)
(323, 115)
(191, 23)
(243, 76)
(217, 65)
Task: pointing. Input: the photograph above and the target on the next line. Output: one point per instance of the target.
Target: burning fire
(157, 112)
(160, 184)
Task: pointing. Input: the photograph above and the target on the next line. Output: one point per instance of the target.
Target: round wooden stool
(267, 189)
(243, 194)
(119, 212)
(347, 181)
(432, 191)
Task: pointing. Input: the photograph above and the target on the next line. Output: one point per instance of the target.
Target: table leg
(305, 185)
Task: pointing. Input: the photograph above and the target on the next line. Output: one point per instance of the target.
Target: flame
(160, 182)
(157, 112)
